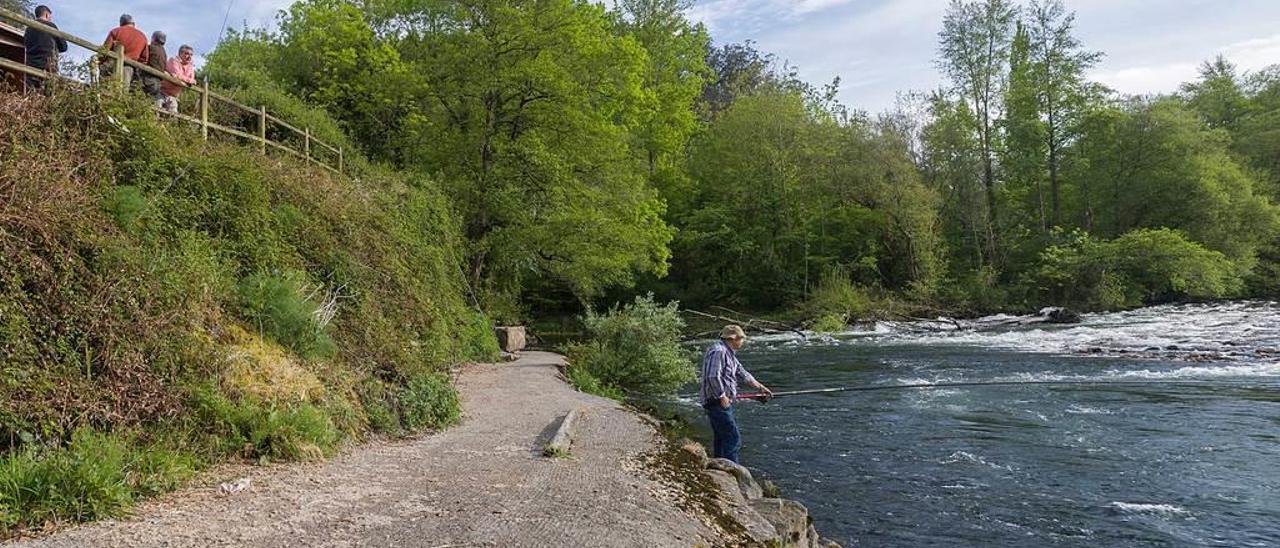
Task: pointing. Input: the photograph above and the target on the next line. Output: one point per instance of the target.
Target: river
(1035, 465)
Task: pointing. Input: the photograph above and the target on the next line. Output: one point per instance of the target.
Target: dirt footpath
(483, 483)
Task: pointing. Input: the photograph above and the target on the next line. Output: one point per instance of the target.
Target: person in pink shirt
(183, 68)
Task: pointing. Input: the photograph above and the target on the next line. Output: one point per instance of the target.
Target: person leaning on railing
(134, 43)
(42, 48)
(156, 59)
(183, 68)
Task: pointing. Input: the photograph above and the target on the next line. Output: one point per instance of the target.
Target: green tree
(1170, 171)
(787, 190)
(532, 107)
(739, 70)
(1146, 266)
(674, 78)
(951, 163)
(20, 6)
(1060, 66)
(1218, 96)
(974, 48)
(1024, 154)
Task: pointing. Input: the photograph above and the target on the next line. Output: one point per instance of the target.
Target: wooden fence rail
(333, 162)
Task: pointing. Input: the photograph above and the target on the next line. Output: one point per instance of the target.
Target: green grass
(94, 476)
(584, 381)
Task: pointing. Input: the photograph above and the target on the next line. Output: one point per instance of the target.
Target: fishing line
(222, 32)
(927, 386)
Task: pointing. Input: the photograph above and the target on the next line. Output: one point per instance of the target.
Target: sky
(877, 47)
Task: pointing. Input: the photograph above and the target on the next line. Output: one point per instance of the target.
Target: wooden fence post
(307, 147)
(204, 110)
(119, 51)
(262, 128)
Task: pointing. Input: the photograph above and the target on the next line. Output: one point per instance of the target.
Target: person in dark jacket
(157, 59)
(42, 48)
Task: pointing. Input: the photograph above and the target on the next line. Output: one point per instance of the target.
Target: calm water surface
(1099, 465)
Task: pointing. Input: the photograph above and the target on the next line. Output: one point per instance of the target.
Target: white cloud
(755, 16)
(1248, 56)
(1252, 55)
(809, 6)
(1145, 80)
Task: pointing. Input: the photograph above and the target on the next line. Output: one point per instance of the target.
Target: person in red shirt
(134, 43)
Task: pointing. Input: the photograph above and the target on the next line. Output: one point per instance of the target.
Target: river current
(1037, 465)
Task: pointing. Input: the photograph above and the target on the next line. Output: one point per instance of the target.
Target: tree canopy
(598, 151)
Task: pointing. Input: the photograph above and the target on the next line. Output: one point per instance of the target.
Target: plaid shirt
(721, 373)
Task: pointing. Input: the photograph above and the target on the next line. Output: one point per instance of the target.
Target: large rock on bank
(768, 521)
(746, 482)
(511, 339)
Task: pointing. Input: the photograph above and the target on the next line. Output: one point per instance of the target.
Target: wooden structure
(312, 150)
(12, 50)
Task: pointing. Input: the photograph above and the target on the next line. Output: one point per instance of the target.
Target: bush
(276, 305)
(379, 407)
(835, 301)
(267, 431)
(830, 323)
(1142, 267)
(633, 350)
(478, 340)
(429, 401)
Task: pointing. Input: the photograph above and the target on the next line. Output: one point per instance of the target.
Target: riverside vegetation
(532, 159)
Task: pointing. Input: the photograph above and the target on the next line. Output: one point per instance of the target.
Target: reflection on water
(1072, 465)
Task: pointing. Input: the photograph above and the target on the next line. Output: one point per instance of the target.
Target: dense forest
(596, 152)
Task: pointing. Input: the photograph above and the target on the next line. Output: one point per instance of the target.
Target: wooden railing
(330, 157)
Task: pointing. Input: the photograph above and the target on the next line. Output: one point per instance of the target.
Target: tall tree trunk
(1055, 194)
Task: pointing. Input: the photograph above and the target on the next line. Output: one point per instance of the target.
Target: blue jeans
(727, 439)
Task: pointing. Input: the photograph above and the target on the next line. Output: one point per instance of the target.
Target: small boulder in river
(1057, 314)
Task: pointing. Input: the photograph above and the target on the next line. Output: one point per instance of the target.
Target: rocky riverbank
(763, 516)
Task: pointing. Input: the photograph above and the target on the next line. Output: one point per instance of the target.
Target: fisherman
(721, 373)
(134, 43)
(42, 48)
(157, 59)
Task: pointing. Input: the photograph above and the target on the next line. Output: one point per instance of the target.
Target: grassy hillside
(166, 303)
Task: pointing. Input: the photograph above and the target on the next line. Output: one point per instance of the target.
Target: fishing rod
(762, 397)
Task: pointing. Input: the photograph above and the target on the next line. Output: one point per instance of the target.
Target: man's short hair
(126, 19)
(185, 47)
(159, 37)
(41, 11)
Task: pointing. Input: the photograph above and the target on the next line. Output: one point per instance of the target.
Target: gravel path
(483, 483)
